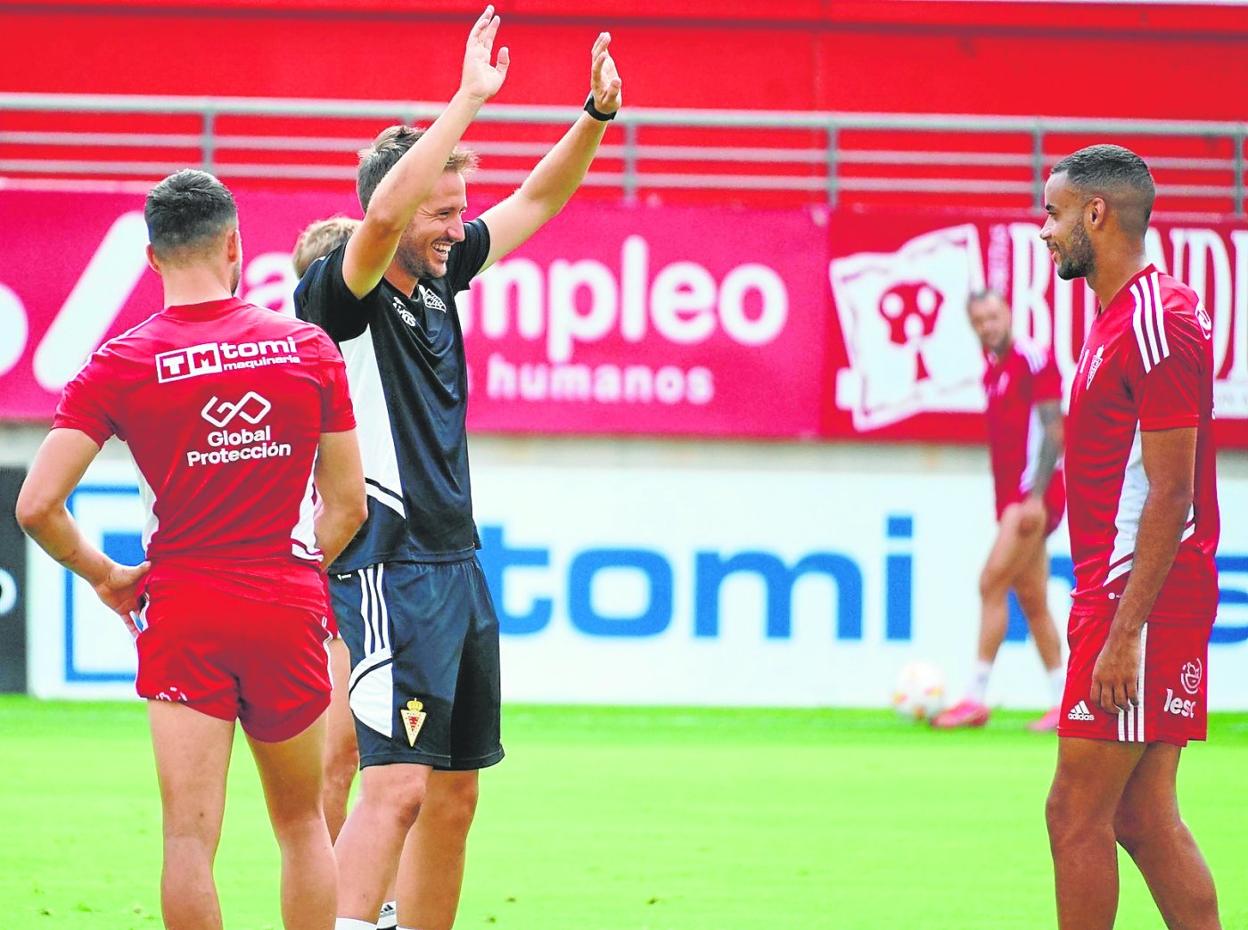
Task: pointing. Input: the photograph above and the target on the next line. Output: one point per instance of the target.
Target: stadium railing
(827, 158)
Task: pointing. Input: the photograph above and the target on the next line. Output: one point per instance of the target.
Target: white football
(920, 691)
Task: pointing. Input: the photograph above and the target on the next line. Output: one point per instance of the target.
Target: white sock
(350, 923)
(387, 918)
(979, 681)
(1057, 685)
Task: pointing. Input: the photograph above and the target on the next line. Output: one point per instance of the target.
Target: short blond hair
(319, 239)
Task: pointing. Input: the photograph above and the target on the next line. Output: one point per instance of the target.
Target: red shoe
(966, 713)
(1047, 723)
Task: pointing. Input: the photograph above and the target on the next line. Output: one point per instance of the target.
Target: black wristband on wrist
(595, 112)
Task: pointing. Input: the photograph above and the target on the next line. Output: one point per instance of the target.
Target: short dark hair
(1118, 174)
(186, 209)
(390, 145)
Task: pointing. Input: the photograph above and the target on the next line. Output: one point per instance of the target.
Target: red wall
(1146, 60)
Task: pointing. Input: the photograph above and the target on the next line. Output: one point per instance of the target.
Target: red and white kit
(222, 405)
(1147, 364)
(1024, 376)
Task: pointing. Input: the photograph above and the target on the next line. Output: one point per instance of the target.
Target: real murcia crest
(1095, 364)
(403, 312)
(413, 719)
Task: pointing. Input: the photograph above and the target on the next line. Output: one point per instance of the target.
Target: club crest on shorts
(1190, 675)
(413, 719)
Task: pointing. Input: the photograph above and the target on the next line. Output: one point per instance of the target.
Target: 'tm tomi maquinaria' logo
(211, 357)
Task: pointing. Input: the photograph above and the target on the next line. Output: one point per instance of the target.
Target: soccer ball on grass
(920, 691)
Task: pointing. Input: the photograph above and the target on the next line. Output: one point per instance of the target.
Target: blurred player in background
(409, 593)
(342, 755)
(1025, 445)
(342, 759)
(231, 412)
(1144, 526)
(319, 239)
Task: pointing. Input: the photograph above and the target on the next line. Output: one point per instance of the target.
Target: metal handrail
(823, 157)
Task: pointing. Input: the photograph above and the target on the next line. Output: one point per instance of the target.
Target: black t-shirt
(409, 385)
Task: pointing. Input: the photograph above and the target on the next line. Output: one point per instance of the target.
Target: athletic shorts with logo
(262, 662)
(424, 685)
(1171, 688)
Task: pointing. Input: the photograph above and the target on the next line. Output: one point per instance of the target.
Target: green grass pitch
(630, 819)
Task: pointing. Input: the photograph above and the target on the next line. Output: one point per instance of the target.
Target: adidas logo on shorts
(1080, 712)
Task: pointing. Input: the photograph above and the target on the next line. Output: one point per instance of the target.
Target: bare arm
(58, 467)
(1050, 413)
(1170, 466)
(339, 480)
(403, 189)
(557, 176)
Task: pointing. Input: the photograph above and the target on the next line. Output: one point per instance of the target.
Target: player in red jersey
(241, 428)
(1143, 530)
(1025, 442)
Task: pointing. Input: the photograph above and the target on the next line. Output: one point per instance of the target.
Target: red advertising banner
(904, 362)
(654, 320)
(612, 320)
(75, 273)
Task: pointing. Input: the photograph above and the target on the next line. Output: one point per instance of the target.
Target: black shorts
(424, 684)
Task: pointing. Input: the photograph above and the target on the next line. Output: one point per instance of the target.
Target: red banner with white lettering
(904, 361)
(611, 320)
(651, 320)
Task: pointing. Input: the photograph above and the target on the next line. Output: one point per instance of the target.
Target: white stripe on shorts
(383, 615)
(366, 612)
(1131, 719)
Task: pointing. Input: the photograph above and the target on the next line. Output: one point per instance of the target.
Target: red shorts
(262, 663)
(1054, 503)
(1172, 687)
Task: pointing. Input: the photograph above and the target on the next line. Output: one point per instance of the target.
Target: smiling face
(1064, 231)
(437, 225)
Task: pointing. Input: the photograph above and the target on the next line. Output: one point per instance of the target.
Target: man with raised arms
(409, 594)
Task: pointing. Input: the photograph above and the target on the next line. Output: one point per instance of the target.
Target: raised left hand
(605, 81)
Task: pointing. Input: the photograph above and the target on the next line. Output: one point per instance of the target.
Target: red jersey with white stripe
(222, 405)
(1024, 376)
(1147, 364)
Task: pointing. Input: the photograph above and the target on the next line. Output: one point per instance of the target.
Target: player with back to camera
(409, 594)
(1144, 523)
(241, 427)
(1025, 446)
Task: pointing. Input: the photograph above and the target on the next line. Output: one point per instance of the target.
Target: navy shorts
(424, 686)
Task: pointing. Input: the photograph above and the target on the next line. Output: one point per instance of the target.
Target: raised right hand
(481, 80)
